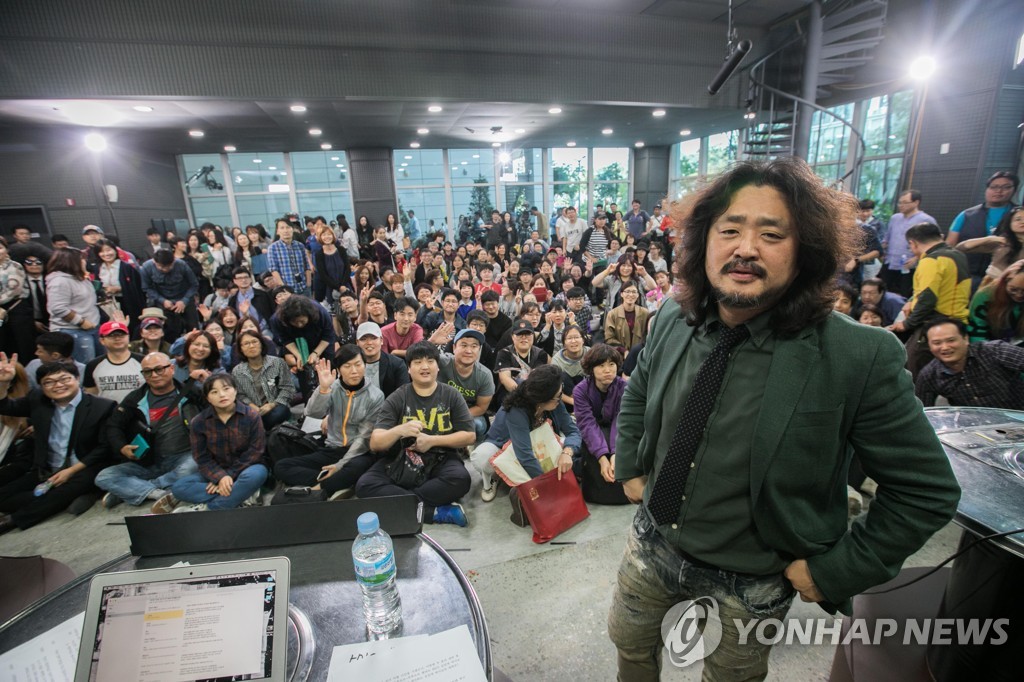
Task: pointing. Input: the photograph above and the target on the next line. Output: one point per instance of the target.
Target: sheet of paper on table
(449, 655)
(50, 657)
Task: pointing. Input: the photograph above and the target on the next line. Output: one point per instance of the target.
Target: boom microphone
(732, 62)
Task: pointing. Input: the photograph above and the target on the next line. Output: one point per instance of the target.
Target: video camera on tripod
(204, 175)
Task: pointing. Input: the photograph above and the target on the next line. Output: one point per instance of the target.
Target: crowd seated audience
(160, 378)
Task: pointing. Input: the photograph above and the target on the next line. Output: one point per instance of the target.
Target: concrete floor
(546, 606)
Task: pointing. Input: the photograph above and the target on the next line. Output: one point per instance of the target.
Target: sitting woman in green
(997, 310)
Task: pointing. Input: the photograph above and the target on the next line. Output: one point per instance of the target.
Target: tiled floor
(546, 606)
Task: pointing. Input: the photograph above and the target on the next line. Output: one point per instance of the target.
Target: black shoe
(6, 523)
(82, 504)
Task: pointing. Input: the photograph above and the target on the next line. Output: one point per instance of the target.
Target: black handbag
(411, 469)
(288, 440)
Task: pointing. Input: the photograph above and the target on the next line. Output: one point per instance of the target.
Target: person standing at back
(899, 260)
(982, 220)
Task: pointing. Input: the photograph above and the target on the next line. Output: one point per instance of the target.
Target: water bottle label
(374, 573)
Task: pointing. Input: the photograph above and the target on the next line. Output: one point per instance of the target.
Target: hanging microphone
(732, 62)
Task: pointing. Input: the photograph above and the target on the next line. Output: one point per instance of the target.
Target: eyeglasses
(1015, 291)
(1001, 188)
(155, 370)
(59, 381)
(249, 342)
(33, 261)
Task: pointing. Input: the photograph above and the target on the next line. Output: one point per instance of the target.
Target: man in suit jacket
(69, 449)
(737, 428)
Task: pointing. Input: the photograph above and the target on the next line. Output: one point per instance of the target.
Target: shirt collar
(75, 402)
(760, 327)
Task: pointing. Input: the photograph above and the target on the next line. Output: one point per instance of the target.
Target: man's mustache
(749, 266)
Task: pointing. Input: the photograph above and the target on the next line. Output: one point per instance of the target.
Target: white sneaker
(343, 494)
(165, 505)
(184, 508)
(489, 492)
(253, 501)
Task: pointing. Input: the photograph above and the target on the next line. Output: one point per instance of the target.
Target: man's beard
(747, 302)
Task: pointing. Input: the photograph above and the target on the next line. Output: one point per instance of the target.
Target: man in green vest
(737, 429)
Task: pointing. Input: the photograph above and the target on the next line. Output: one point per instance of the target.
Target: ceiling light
(196, 133)
(335, 158)
(685, 131)
(95, 142)
(570, 144)
(892, 137)
(464, 163)
(435, 108)
(555, 110)
(257, 160)
(414, 145)
(283, 173)
(504, 157)
(339, 165)
(658, 113)
(408, 157)
(607, 131)
(229, 148)
(495, 144)
(520, 131)
(749, 115)
(325, 146)
(404, 165)
(638, 144)
(143, 108)
(271, 167)
(315, 131)
(476, 156)
(922, 68)
(298, 108)
(422, 131)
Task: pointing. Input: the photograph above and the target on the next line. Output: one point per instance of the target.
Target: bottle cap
(368, 523)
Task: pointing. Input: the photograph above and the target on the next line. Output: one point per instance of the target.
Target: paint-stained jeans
(653, 578)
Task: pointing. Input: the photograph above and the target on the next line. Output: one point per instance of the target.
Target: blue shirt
(897, 251)
(60, 434)
(992, 218)
(290, 261)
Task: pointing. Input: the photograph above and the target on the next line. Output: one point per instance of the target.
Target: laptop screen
(218, 627)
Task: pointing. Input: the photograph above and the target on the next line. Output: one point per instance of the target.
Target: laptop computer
(225, 620)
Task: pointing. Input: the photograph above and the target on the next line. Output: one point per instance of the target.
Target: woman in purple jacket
(596, 402)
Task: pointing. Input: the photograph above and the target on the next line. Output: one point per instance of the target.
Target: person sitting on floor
(70, 449)
(596, 400)
(159, 414)
(351, 405)
(228, 442)
(422, 422)
(52, 347)
(264, 382)
(532, 402)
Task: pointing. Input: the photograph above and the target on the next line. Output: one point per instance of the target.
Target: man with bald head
(149, 430)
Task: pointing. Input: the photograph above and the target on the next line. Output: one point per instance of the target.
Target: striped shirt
(227, 449)
(273, 384)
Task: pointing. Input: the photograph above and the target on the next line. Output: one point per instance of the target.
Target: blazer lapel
(793, 363)
(76, 423)
(673, 342)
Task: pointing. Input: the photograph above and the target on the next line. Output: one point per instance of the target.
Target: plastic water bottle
(42, 488)
(374, 557)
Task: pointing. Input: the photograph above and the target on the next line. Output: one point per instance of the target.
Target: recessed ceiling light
(404, 164)
(325, 146)
(315, 131)
(271, 167)
(298, 108)
(607, 131)
(283, 173)
(335, 158)
(435, 108)
(196, 133)
(638, 144)
(892, 137)
(504, 157)
(464, 163)
(414, 145)
(749, 115)
(658, 113)
(95, 142)
(555, 110)
(229, 148)
(339, 165)
(685, 131)
(422, 131)
(476, 156)
(570, 143)
(143, 108)
(520, 131)
(408, 157)
(257, 160)
(495, 144)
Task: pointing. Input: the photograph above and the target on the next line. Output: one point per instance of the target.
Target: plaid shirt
(226, 449)
(291, 261)
(991, 378)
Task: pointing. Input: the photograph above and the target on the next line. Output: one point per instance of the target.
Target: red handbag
(552, 506)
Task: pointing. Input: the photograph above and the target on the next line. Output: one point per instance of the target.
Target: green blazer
(835, 389)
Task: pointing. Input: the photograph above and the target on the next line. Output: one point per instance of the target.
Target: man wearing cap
(462, 371)
(91, 235)
(171, 285)
(383, 370)
(157, 415)
(116, 374)
(151, 329)
(654, 222)
(513, 363)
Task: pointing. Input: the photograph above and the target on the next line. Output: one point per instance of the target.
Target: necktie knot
(730, 338)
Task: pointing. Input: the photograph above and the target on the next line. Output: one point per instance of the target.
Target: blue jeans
(481, 426)
(278, 415)
(192, 488)
(133, 482)
(85, 344)
(654, 577)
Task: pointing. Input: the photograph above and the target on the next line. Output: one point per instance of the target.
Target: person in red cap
(117, 373)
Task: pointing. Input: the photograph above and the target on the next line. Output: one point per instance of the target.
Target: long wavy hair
(824, 220)
(1002, 310)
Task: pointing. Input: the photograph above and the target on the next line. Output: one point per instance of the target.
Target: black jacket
(133, 299)
(260, 301)
(393, 373)
(128, 420)
(87, 430)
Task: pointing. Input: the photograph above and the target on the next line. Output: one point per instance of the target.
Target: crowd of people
(177, 377)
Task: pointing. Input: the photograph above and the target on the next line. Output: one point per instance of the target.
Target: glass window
(468, 200)
(689, 158)
(319, 170)
(612, 193)
(203, 174)
(569, 179)
(326, 204)
(427, 204)
(611, 164)
(261, 208)
(829, 137)
(899, 121)
(879, 180)
(683, 186)
(471, 165)
(722, 151)
(522, 197)
(522, 165)
(258, 172)
(211, 210)
(419, 167)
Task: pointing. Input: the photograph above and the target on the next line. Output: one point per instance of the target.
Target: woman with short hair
(263, 380)
(596, 402)
(71, 302)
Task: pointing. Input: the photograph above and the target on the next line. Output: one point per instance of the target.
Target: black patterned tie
(667, 496)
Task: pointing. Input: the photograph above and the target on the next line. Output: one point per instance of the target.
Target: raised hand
(325, 374)
(204, 310)
(7, 367)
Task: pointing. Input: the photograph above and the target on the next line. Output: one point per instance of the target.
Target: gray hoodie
(64, 294)
(350, 416)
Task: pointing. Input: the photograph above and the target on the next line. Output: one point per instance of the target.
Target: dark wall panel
(650, 178)
(373, 183)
